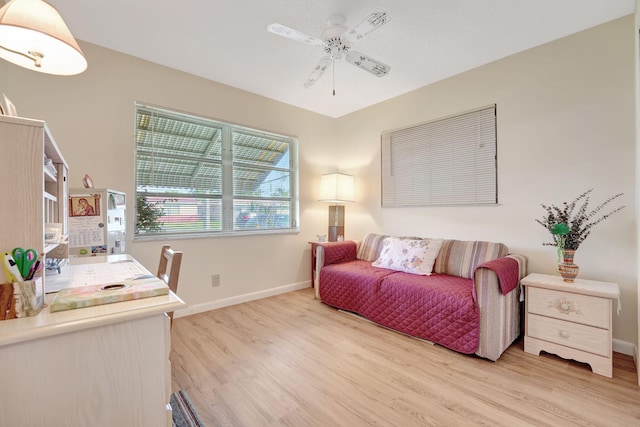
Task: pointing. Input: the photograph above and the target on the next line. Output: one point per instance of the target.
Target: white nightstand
(572, 320)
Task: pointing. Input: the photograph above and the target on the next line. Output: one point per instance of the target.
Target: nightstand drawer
(580, 337)
(585, 309)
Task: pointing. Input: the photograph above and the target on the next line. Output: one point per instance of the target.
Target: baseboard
(625, 347)
(239, 299)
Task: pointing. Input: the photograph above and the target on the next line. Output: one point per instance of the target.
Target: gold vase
(567, 269)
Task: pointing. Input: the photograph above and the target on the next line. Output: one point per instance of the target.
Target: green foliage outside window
(148, 215)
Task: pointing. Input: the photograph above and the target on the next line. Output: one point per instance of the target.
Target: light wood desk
(105, 365)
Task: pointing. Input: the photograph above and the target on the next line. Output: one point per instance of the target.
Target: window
(199, 177)
(445, 162)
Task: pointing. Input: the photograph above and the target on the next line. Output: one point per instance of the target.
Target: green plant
(570, 226)
(148, 214)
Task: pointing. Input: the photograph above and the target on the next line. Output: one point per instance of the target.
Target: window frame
(226, 198)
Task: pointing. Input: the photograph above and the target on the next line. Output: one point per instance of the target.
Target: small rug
(184, 414)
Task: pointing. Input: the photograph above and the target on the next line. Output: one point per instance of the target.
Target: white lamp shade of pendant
(336, 188)
(34, 36)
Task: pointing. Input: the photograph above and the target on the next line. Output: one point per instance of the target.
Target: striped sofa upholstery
(499, 314)
(460, 258)
(369, 249)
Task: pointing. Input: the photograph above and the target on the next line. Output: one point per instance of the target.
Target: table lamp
(336, 188)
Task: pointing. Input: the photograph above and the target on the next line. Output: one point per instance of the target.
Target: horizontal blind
(445, 162)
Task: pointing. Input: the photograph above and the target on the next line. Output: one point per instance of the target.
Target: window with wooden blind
(200, 177)
(451, 161)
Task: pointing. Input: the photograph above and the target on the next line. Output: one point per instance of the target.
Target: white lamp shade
(34, 36)
(336, 188)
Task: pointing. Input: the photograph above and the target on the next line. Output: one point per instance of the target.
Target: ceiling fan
(337, 41)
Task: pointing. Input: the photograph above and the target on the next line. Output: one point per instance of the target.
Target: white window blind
(451, 161)
(200, 177)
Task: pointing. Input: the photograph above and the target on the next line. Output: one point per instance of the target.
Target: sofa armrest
(332, 253)
(508, 271)
(499, 312)
(336, 253)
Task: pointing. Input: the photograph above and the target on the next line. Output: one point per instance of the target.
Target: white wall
(565, 124)
(636, 54)
(565, 117)
(92, 119)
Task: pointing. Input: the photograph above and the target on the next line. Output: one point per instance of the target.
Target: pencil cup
(21, 299)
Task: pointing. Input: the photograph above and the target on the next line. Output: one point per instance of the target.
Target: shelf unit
(32, 193)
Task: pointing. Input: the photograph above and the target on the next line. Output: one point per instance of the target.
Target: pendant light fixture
(34, 36)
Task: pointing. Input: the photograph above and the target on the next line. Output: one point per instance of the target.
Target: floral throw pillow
(415, 256)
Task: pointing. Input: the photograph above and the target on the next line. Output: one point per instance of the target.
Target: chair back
(169, 269)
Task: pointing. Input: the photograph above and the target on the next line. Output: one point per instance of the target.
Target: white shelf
(50, 175)
(50, 196)
(40, 192)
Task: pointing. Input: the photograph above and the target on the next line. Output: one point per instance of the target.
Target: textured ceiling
(425, 41)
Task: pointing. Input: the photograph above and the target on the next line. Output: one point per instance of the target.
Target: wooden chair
(169, 269)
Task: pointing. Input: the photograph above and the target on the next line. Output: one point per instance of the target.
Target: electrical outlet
(215, 280)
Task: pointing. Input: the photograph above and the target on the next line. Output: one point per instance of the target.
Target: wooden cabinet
(34, 187)
(572, 320)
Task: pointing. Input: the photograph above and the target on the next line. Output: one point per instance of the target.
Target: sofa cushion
(439, 308)
(460, 258)
(415, 256)
(352, 285)
(370, 247)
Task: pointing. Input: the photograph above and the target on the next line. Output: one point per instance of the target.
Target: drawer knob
(565, 306)
(564, 334)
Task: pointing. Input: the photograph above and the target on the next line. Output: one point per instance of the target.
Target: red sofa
(470, 303)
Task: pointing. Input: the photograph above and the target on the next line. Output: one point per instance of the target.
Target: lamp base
(336, 223)
(336, 234)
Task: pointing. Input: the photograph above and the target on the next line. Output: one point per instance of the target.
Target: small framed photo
(84, 205)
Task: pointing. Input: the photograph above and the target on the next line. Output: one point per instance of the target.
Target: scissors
(24, 258)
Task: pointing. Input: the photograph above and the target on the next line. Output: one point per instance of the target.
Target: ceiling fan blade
(376, 19)
(296, 35)
(317, 72)
(376, 68)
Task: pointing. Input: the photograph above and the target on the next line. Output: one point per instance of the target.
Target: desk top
(48, 324)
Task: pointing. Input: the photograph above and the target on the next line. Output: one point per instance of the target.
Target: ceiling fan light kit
(337, 42)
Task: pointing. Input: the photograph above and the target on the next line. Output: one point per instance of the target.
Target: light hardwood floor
(290, 360)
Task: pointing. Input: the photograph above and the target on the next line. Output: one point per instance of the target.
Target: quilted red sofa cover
(443, 308)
